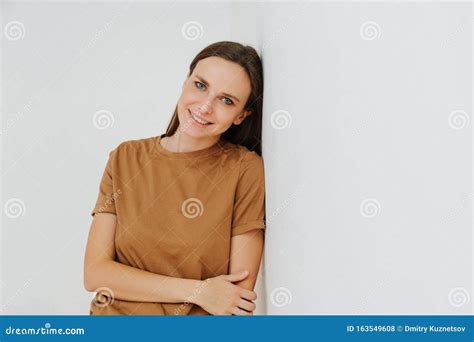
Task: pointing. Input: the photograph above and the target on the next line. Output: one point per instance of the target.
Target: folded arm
(246, 254)
(126, 282)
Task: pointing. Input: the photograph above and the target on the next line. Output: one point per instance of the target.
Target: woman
(178, 227)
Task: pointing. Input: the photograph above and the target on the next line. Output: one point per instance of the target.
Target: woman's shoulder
(139, 143)
(248, 164)
(136, 145)
(243, 154)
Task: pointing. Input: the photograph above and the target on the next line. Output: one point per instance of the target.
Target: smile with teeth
(199, 120)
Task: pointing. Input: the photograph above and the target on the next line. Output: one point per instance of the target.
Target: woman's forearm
(133, 284)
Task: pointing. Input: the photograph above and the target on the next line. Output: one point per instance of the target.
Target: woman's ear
(241, 117)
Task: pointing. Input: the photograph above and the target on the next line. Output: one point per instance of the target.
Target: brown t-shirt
(176, 213)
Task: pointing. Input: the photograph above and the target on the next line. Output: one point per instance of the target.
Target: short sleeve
(107, 196)
(249, 201)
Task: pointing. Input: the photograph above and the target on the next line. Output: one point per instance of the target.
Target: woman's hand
(219, 296)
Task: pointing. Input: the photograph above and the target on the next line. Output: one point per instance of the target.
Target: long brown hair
(249, 132)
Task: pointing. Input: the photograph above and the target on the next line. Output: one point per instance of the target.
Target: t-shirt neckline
(218, 146)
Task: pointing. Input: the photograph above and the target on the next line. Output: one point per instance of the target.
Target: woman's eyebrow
(207, 84)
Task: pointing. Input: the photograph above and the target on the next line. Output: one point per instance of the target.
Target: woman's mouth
(198, 120)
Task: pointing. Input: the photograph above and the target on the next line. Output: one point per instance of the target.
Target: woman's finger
(247, 294)
(246, 305)
(235, 277)
(239, 312)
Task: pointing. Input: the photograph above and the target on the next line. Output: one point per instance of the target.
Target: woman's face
(213, 98)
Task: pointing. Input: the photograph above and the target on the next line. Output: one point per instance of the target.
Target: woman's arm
(126, 282)
(246, 254)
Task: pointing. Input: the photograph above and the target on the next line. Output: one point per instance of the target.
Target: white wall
(369, 119)
(369, 188)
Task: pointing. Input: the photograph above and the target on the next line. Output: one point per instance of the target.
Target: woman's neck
(181, 142)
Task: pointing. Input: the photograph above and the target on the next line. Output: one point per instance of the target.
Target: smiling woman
(224, 87)
(207, 111)
(185, 234)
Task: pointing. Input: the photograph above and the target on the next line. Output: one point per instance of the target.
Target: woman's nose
(205, 107)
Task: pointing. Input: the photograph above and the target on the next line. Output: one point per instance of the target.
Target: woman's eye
(228, 101)
(199, 84)
(202, 86)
